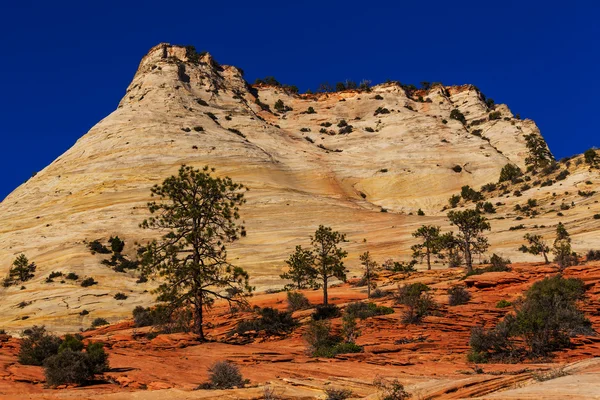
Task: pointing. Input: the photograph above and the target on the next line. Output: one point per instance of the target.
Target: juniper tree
(329, 257)
(470, 239)
(562, 247)
(21, 271)
(537, 245)
(369, 264)
(301, 270)
(430, 245)
(539, 154)
(198, 212)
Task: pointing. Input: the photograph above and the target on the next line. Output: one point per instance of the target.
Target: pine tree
(369, 265)
(329, 256)
(471, 226)
(300, 269)
(430, 245)
(537, 245)
(198, 211)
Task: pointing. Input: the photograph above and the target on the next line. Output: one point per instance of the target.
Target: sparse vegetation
(21, 271)
(458, 295)
(419, 302)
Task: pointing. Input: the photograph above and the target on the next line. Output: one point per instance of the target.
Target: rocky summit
(372, 162)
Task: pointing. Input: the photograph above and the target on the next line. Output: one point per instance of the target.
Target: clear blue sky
(64, 65)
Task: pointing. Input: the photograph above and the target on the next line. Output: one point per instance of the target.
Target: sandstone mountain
(403, 152)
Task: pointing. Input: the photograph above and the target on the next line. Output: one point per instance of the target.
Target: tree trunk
(325, 290)
(468, 259)
(428, 260)
(198, 317)
(368, 283)
(545, 257)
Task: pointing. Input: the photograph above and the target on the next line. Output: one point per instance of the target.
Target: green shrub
(338, 394)
(67, 367)
(503, 304)
(311, 110)
(71, 342)
(322, 343)
(390, 390)
(297, 301)
(326, 311)
(469, 194)
(120, 296)
(97, 247)
(72, 276)
(271, 321)
(37, 346)
(458, 295)
(88, 282)
(381, 110)
(457, 115)
(454, 200)
(99, 322)
(498, 264)
(366, 310)
(97, 358)
(494, 115)
(457, 169)
(510, 172)
(418, 301)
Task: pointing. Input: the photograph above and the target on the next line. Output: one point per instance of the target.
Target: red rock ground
(428, 358)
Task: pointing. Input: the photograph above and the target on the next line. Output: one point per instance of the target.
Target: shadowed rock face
(183, 107)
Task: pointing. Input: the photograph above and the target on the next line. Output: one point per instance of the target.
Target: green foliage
(328, 257)
(470, 239)
(544, 322)
(88, 282)
(120, 296)
(297, 301)
(281, 107)
(325, 311)
(390, 389)
(458, 295)
(99, 322)
(539, 156)
(301, 269)
(270, 320)
(563, 254)
(338, 394)
(37, 346)
(363, 310)
(97, 247)
(470, 194)
(457, 115)
(454, 200)
(418, 301)
(381, 110)
(430, 243)
(369, 266)
(67, 367)
(537, 245)
(323, 343)
(116, 244)
(21, 271)
(71, 342)
(311, 110)
(494, 115)
(72, 276)
(510, 172)
(591, 157)
(593, 255)
(486, 207)
(192, 257)
(503, 304)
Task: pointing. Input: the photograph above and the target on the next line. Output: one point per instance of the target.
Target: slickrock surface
(429, 358)
(180, 111)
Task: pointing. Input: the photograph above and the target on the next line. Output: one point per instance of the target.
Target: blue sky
(65, 65)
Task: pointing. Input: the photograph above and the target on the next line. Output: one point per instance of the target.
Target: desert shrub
(345, 130)
(405, 267)
(544, 322)
(418, 301)
(494, 115)
(390, 389)
(381, 110)
(338, 394)
(311, 110)
(323, 343)
(342, 123)
(510, 172)
(37, 346)
(469, 193)
(457, 168)
(71, 342)
(272, 321)
(365, 310)
(458, 295)
(498, 264)
(202, 102)
(326, 311)
(457, 115)
(550, 374)
(369, 129)
(120, 296)
(590, 156)
(97, 247)
(67, 367)
(99, 322)
(142, 279)
(503, 304)
(593, 255)
(378, 294)
(297, 301)
(420, 212)
(562, 175)
(225, 375)
(54, 275)
(97, 358)
(489, 187)
(88, 282)
(454, 200)
(72, 276)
